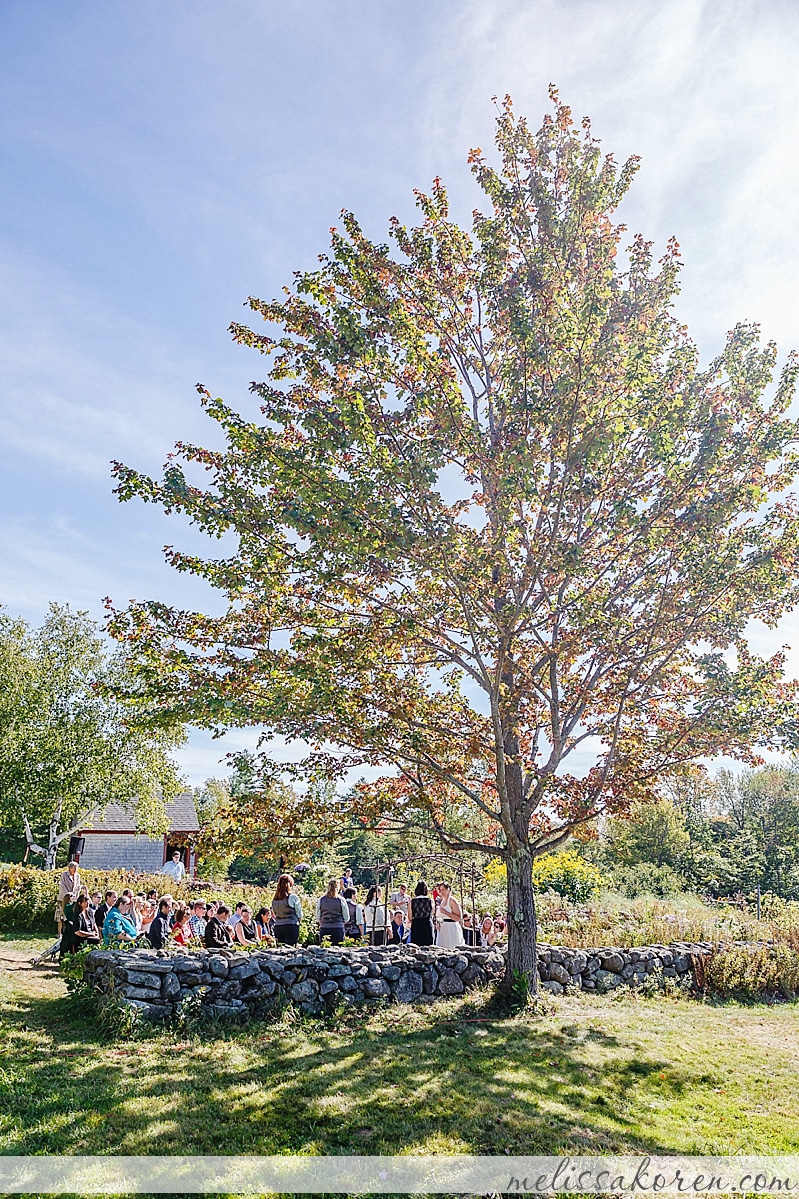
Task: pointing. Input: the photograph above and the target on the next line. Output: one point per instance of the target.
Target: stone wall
(604, 969)
(232, 984)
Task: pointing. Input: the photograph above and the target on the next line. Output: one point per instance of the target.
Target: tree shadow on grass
(380, 1086)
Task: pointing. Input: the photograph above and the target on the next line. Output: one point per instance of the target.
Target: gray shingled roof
(117, 818)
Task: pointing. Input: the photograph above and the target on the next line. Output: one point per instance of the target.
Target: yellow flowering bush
(568, 874)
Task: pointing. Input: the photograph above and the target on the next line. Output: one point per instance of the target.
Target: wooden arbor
(467, 875)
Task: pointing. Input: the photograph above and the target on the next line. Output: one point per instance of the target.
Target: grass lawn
(594, 1074)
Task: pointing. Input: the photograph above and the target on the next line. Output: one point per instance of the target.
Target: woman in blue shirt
(119, 924)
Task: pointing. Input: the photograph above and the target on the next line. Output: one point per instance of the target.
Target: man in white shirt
(175, 869)
(401, 901)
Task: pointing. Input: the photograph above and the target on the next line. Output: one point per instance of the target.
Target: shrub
(28, 895)
(495, 873)
(751, 972)
(644, 878)
(71, 967)
(568, 874)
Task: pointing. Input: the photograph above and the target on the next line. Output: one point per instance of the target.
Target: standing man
(175, 869)
(401, 901)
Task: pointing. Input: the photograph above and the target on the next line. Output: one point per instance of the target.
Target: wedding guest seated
(137, 912)
(486, 932)
(245, 931)
(104, 908)
(217, 933)
(146, 914)
(119, 924)
(197, 920)
(158, 932)
(84, 931)
(397, 932)
(265, 923)
(181, 933)
(234, 919)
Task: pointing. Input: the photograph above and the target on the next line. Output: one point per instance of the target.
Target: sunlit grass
(590, 1074)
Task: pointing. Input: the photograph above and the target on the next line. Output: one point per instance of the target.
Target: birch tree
(68, 744)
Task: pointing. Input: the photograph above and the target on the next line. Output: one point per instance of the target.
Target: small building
(112, 842)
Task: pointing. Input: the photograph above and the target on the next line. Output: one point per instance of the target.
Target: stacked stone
(603, 969)
(230, 984)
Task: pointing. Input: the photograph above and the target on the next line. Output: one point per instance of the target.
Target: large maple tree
(496, 530)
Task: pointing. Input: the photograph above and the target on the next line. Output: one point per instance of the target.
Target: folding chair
(49, 955)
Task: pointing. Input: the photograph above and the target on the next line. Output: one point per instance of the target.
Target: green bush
(750, 972)
(568, 874)
(28, 896)
(644, 878)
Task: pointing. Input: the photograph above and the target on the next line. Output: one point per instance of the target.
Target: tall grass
(615, 920)
(750, 972)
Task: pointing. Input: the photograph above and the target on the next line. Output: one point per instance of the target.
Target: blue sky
(162, 162)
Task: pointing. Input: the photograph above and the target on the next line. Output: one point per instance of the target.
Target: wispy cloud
(707, 94)
(83, 382)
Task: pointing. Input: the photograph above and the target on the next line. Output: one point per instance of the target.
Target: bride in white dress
(449, 919)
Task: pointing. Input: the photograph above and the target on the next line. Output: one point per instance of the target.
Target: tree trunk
(50, 852)
(53, 838)
(32, 847)
(521, 970)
